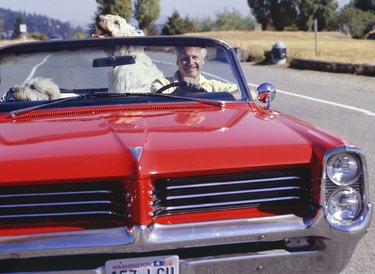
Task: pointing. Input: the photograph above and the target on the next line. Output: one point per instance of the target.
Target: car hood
(140, 143)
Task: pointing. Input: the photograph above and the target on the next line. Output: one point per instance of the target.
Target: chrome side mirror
(266, 93)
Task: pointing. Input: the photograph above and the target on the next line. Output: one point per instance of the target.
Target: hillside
(36, 23)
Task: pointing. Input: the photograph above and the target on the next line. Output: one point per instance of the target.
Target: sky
(81, 12)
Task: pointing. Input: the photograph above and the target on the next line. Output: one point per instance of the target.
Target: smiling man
(190, 61)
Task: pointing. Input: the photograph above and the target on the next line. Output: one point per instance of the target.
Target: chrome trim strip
(55, 193)
(233, 203)
(206, 232)
(52, 214)
(58, 204)
(234, 182)
(172, 197)
(67, 242)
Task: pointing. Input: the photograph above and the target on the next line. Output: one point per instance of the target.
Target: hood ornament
(137, 152)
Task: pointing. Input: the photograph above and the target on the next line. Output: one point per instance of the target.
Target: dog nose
(97, 19)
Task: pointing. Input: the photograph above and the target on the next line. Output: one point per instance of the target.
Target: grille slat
(215, 184)
(233, 203)
(70, 202)
(231, 191)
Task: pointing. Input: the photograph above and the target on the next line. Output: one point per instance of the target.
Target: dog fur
(113, 26)
(35, 89)
(134, 78)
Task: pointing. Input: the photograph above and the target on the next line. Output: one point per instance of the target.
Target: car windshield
(124, 71)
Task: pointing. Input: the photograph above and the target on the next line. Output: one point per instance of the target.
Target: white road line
(364, 111)
(36, 67)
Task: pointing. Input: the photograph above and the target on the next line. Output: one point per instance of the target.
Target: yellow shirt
(209, 85)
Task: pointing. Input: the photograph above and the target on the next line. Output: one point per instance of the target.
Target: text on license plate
(144, 265)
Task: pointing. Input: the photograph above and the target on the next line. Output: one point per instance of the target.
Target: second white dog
(35, 89)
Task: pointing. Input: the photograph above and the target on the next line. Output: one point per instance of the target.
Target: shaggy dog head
(113, 26)
(110, 25)
(35, 89)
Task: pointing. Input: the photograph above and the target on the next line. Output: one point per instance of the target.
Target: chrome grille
(231, 191)
(70, 202)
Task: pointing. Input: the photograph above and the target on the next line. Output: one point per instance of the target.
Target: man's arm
(161, 82)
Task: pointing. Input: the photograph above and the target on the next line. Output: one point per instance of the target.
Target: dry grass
(9, 42)
(331, 46)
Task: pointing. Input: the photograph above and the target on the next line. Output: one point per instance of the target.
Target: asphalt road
(341, 104)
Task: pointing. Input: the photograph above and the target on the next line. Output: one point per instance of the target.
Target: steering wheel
(180, 84)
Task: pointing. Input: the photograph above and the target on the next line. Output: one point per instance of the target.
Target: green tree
(305, 18)
(280, 14)
(206, 24)
(146, 12)
(177, 25)
(17, 23)
(325, 12)
(283, 13)
(122, 8)
(232, 20)
(357, 20)
(261, 9)
(274, 14)
(365, 5)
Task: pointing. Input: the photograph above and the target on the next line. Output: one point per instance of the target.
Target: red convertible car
(152, 155)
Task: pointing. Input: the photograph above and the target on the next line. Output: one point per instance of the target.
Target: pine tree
(17, 23)
(177, 25)
(173, 24)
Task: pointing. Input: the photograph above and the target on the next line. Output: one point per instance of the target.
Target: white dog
(131, 78)
(35, 89)
(113, 26)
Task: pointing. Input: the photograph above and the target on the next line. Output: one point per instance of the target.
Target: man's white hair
(180, 50)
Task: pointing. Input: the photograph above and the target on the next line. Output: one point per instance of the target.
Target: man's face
(190, 62)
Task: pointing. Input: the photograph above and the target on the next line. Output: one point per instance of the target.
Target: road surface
(342, 104)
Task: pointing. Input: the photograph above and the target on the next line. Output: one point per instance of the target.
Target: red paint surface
(189, 140)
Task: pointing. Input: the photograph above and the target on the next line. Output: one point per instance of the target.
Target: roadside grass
(16, 41)
(328, 46)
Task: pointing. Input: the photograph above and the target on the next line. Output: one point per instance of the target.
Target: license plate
(144, 265)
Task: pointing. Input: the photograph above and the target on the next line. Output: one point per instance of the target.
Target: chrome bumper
(330, 253)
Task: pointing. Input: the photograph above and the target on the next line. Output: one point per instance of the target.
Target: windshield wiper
(199, 100)
(89, 95)
(23, 111)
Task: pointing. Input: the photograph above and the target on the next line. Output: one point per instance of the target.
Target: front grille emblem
(137, 152)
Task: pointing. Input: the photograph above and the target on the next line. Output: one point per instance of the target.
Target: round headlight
(343, 206)
(343, 168)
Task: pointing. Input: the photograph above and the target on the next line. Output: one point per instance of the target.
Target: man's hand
(191, 83)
